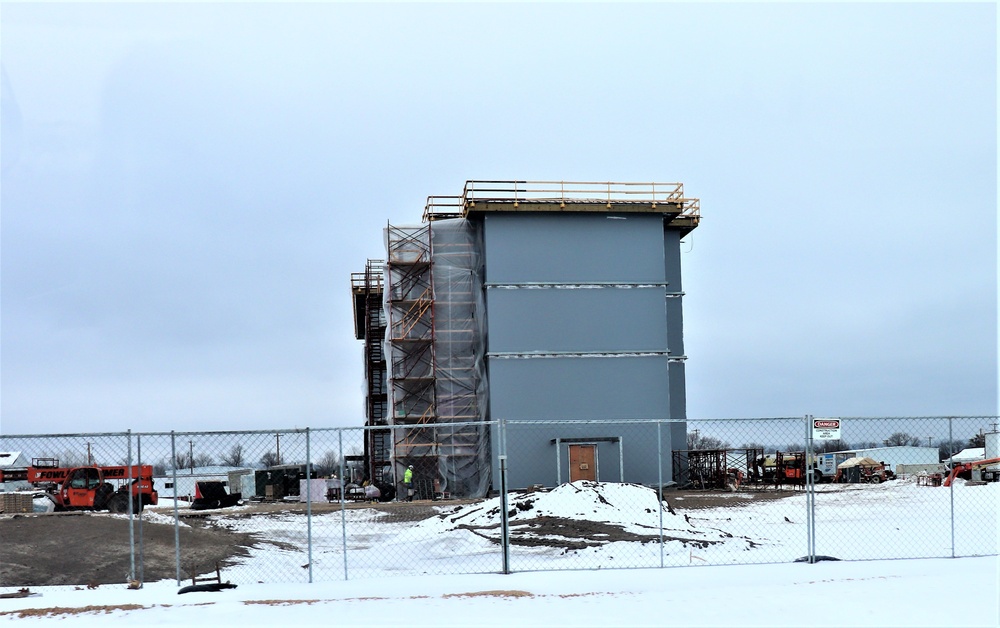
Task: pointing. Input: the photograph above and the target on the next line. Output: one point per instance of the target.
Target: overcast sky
(187, 188)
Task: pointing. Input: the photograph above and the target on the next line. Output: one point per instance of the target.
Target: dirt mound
(93, 549)
(581, 515)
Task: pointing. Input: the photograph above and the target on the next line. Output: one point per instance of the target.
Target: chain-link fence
(329, 504)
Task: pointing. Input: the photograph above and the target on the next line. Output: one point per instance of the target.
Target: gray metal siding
(601, 319)
(579, 388)
(573, 248)
(534, 460)
(561, 252)
(675, 323)
(674, 309)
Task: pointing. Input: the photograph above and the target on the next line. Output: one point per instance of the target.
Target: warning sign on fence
(826, 429)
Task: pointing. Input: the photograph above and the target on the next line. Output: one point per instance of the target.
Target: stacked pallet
(16, 503)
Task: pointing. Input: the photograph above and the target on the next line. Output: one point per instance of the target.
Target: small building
(9, 461)
(991, 452)
(970, 454)
(903, 454)
(13, 460)
(233, 478)
(279, 481)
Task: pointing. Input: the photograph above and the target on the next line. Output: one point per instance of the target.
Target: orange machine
(785, 468)
(90, 488)
(967, 466)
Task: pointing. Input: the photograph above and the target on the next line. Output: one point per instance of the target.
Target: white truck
(826, 465)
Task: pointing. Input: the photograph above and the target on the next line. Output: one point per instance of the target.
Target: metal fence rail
(626, 493)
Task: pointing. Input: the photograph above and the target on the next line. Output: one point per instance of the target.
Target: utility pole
(90, 459)
(929, 442)
(191, 456)
(277, 455)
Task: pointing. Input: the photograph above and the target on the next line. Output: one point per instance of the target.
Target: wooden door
(582, 462)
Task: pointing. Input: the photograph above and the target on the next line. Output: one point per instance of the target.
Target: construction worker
(408, 483)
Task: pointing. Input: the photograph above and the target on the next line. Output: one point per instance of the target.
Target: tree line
(698, 441)
(326, 465)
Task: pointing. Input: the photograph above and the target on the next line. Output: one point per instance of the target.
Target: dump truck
(90, 487)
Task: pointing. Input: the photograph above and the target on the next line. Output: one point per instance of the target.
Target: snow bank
(580, 515)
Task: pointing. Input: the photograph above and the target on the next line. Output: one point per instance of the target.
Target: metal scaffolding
(409, 303)
(369, 325)
(718, 468)
(435, 348)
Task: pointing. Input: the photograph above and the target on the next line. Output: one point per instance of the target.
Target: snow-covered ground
(598, 526)
(446, 567)
(931, 592)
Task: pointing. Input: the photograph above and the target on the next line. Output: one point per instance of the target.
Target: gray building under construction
(553, 306)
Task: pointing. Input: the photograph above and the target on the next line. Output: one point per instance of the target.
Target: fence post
(309, 530)
(177, 521)
(811, 466)
(659, 483)
(131, 507)
(343, 487)
(558, 462)
(812, 472)
(810, 531)
(621, 459)
(142, 553)
(504, 516)
(951, 487)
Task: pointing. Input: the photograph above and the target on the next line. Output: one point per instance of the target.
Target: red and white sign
(826, 429)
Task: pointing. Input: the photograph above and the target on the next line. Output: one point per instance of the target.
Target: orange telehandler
(91, 487)
(967, 466)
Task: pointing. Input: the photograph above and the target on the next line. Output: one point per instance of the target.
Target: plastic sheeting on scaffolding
(459, 350)
(435, 347)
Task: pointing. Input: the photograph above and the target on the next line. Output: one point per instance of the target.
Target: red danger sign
(826, 429)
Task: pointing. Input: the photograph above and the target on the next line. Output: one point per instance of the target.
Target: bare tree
(867, 444)
(830, 445)
(695, 441)
(183, 460)
(946, 448)
(70, 458)
(203, 460)
(234, 458)
(328, 464)
(902, 439)
(269, 459)
(979, 440)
